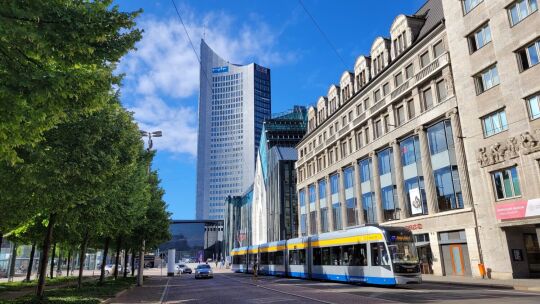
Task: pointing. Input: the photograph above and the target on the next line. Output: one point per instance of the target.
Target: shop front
(520, 222)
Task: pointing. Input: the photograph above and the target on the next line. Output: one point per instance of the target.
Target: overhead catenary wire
(191, 43)
(323, 34)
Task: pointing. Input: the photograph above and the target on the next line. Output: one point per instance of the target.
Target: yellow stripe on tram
(349, 240)
(253, 250)
(239, 252)
(272, 249)
(296, 246)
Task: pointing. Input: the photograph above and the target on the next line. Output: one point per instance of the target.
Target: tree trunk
(141, 266)
(30, 263)
(59, 264)
(45, 256)
(13, 260)
(116, 262)
(52, 260)
(126, 262)
(104, 260)
(82, 257)
(132, 262)
(68, 263)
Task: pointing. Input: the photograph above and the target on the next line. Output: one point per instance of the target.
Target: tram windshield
(401, 247)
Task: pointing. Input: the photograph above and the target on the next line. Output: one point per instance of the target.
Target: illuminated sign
(221, 69)
(400, 238)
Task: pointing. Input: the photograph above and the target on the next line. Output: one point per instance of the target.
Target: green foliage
(57, 59)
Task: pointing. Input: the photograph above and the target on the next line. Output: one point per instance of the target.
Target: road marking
(165, 291)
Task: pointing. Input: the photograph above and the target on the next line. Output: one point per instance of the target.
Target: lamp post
(141, 253)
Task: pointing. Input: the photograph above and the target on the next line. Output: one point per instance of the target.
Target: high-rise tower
(233, 103)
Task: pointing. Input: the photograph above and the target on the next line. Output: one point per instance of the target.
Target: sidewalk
(517, 284)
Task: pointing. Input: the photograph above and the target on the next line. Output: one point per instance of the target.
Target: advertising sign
(416, 201)
(517, 210)
(221, 69)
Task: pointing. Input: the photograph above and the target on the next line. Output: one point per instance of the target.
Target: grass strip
(90, 293)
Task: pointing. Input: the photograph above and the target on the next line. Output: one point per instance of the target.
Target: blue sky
(161, 83)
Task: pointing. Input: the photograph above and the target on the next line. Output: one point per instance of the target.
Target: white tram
(370, 254)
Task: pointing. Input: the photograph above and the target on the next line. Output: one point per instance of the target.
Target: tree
(57, 59)
(75, 165)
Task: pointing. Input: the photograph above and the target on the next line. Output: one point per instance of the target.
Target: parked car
(109, 269)
(183, 268)
(203, 271)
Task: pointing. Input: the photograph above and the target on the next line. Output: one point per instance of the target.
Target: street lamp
(141, 253)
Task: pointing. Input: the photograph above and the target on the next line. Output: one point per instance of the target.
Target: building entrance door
(533, 252)
(456, 256)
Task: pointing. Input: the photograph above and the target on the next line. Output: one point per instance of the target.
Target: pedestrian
(216, 262)
(255, 270)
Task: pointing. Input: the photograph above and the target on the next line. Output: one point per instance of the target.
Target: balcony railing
(402, 88)
(344, 130)
(440, 61)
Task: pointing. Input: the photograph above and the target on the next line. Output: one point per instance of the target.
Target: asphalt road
(241, 288)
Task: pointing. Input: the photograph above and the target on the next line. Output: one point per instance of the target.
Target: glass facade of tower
(234, 101)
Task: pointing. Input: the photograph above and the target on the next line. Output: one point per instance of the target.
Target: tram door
(309, 257)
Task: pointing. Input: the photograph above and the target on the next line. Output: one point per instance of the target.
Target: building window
(313, 222)
(398, 79)
(386, 89)
(468, 5)
(350, 200)
(529, 55)
(343, 149)
(414, 179)
(366, 133)
(427, 98)
(378, 129)
(494, 123)
(377, 95)
(441, 90)
(368, 202)
(506, 183)
(479, 38)
(400, 115)
(424, 59)
(303, 224)
(336, 205)
(350, 116)
(487, 79)
(302, 198)
(521, 9)
(359, 140)
(409, 71)
(359, 109)
(385, 160)
(443, 162)
(324, 219)
(410, 108)
(438, 49)
(533, 103)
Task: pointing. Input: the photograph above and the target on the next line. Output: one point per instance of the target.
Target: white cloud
(179, 125)
(162, 75)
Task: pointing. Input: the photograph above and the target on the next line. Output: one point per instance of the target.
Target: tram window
(360, 254)
(379, 256)
(278, 258)
(302, 256)
(335, 255)
(270, 258)
(317, 256)
(293, 257)
(347, 255)
(325, 256)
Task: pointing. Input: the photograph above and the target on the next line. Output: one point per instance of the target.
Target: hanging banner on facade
(416, 201)
(519, 209)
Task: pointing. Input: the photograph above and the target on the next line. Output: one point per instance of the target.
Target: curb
(488, 285)
(118, 294)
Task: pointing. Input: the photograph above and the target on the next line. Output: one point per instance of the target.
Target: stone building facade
(385, 147)
(494, 49)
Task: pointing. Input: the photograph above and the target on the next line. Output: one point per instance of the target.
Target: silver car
(203, 271)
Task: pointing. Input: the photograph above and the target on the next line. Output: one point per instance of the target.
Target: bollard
(170, 262)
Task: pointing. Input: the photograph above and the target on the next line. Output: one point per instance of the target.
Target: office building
(384, 146)
(195, 240)
(274, 186)
(233, 103)
(494, 48)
